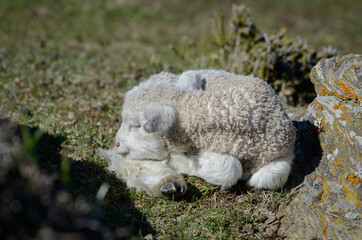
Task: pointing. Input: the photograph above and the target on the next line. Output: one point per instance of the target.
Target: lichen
(354, 179)
(350, 195)
(347, 90)
(324, 229)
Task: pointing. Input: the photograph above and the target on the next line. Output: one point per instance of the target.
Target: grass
(65, 66)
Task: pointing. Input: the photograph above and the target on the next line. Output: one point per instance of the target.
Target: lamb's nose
(121, 149)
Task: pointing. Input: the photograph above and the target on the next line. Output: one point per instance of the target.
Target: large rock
(338, 76)
(328, 202)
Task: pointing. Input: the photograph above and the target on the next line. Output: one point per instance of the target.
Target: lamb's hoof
(172, 189)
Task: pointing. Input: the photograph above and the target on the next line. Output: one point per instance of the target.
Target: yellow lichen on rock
(354, 179)
(347, 89)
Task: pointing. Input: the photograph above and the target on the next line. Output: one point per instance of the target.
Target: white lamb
(216, 125)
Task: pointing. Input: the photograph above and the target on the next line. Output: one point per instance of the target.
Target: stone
(327, 204)
(149, 237)
(338, 76)
(270, 220)
(271, 231)
(248, 228)
(261, 218)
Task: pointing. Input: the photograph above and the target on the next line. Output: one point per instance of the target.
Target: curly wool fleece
(236, 115)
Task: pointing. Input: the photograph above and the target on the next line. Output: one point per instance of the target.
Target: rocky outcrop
(327, 204)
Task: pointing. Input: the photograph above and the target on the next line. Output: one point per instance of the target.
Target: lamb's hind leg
(219, 169)
(275, 174)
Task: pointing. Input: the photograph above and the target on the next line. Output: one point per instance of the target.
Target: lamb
(216, 125)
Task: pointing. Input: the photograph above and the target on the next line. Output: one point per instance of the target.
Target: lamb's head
(148, 113)
(140, 135)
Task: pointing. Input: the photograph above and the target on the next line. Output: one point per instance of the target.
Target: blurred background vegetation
(65, 65)
(130, 39)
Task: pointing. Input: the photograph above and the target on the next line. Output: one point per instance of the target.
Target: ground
(65, 66)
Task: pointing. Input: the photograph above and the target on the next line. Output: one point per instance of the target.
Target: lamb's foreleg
(156, 178)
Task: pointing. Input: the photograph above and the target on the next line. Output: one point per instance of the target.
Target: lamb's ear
(157, 118)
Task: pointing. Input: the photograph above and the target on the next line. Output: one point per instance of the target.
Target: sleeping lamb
(216, 125)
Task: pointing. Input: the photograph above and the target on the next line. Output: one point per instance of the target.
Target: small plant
(284, 63)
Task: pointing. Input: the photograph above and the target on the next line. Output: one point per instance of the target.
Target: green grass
(65, 66)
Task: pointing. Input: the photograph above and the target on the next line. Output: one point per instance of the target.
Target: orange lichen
(358, 204)
(324, 90)
(313, 71)
(322, 219)
(350, 195)
(347, 89)
(322, 122)
(337, 164)
(353, 179)
(325, 192)
(344, 114)
(323, 227)
(335, 106)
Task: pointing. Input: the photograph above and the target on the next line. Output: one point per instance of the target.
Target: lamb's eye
(133, 126)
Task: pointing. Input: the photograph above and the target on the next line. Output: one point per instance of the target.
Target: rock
(149, 237)
(248, 228)
(261, 218)
(270, 220)
(338, 76)
(328, 203)
(271, 231)
(279, 215)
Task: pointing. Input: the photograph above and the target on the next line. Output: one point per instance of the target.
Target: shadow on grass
(192, 194)
(118, 210)
(84, 179)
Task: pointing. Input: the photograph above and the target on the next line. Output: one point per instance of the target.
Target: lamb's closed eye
(134, 126)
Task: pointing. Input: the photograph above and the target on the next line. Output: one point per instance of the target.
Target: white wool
(208, 123)
(275, 174)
